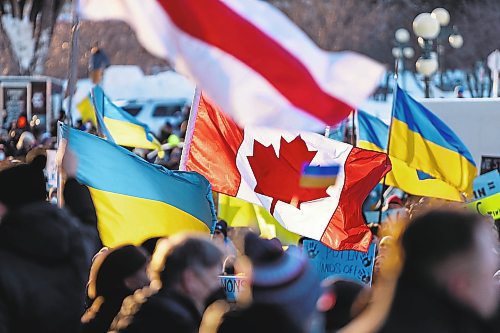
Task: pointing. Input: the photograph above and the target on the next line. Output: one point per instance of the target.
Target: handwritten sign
(488, 206)
(351, 265)
(232, 286)
(486, 185)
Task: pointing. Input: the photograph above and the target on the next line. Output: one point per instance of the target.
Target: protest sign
(352, 265)
(373, 216)
(486, 185)
(233, 285)
(488, 206)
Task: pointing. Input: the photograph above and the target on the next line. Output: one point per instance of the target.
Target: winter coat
(45, 256)
(421, 308)
(166, 311)
(103, 316)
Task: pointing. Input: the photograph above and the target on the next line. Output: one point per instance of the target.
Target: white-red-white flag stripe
(249, 58)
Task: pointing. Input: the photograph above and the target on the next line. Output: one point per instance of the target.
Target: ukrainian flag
(124, 129)
(134, 199)
(373, 135)
(426, 143)
(86, 110)
(240, 213)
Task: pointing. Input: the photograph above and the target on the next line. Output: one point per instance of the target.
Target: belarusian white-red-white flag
(256, 64)
(263, 166)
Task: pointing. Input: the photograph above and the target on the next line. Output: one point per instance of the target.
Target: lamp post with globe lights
(446, 34)
(427, 28)
(402, 50)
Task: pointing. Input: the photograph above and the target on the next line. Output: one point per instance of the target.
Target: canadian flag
(253, 61)
(263, 166)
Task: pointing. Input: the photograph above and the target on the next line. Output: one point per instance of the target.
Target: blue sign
(232, 286)
(486, 185)
(373, 216)
(351, 265)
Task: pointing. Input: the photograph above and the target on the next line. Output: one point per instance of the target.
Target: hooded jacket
(44, 260)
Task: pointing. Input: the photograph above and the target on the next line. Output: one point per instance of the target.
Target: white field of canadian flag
(263, 166)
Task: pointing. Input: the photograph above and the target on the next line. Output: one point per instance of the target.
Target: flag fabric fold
(122, 127)
(373, 134)
(256, 64)
(134, 199)
(263, 166)
(426, 143)
(240, 213)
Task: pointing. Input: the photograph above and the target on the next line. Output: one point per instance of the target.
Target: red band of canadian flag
(262, 166)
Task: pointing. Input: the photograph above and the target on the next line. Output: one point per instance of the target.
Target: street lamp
(446, 33)
(402, 50)
(427, 28)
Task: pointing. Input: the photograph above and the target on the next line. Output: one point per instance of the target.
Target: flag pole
(389, 139)
(353, 137)
(71, 87)
(73, 64)
(190, 128)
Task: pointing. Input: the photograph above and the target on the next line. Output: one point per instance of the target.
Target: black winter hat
(114, 267)
(21, 184)
(222, 227)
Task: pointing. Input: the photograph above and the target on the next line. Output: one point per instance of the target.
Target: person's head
(188, 263)
(394, 202)
(22, 183)
(341, 302)
(220, 231)
(453, 251)
(150, 244)
(228, 266)
(167, 127)
(118, 272)
(301, 240)
(283, 278)
(26, 141)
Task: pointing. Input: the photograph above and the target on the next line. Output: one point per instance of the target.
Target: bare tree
(28, 26)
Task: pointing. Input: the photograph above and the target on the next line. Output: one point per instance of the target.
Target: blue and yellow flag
(239, 213)
(86, 110)
(373, 134)
(426, 143)
(124, 129)
(134, 199)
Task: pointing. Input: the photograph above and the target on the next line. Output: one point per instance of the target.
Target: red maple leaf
(278, 177)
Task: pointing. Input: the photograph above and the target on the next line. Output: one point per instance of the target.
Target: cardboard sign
(488, 206)
(486, 185)
(351, 265)
(233, 285)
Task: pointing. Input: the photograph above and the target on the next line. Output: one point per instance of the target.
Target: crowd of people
(23, 136)
(446, 282)
(437, 267)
